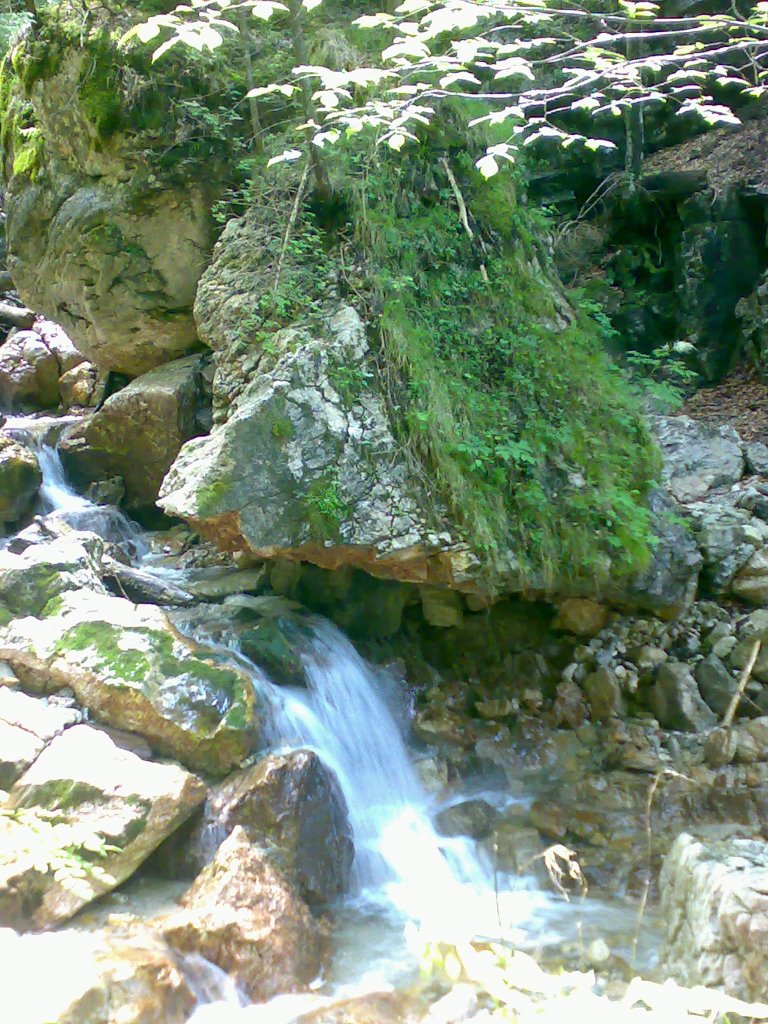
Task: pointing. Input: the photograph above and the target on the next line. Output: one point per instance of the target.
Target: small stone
(676, 700)
(716, 684)
(603, 694)
(720, 747)
(757, 458)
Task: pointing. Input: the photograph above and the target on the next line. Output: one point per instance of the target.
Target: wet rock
(676, 700)
(43, 572)
(291, 804)
(20, 479)
(138, 432)
(93, 978)
(128, 665)
(716, 684)
(715, 911)
(27, 725)
(646, 657)
(243, 916)
(235, 581)
(757, 458)
(473, 818)
(581, 617)
(603, 694)
(98, 802)
(29, 373)
(698, 456)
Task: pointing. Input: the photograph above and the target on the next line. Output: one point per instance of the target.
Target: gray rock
(720, 747)
(312, 470)
(715, 913)
(751, 582)
(676, 701)
(29, 373)
(46, 571)
(473, 818)
(752, 741)
(757, 458)
(727, 538)
(103, 795)
(716, 684)
(26, 726)
(603, 693)
(138, 432)
(698, 456)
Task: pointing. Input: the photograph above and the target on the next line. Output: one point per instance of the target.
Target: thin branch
(730, 713)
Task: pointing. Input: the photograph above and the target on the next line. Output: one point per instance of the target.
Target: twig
(291, 223)
(743, 680)
(462, 209)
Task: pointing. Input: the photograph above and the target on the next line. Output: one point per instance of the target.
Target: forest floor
(741, 401)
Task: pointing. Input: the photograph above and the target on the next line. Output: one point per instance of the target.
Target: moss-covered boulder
(20, 479)
(108, 207)
(138, 432)
(87, 814)
(129, 666)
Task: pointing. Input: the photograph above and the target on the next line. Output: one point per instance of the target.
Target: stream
(410, 884)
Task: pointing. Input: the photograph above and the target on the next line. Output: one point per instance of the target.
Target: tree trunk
(253, 105)
(322, 181)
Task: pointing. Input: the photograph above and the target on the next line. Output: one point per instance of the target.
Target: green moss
(103, 639)
(211, 498)
(99, 94)
(29, 153)
(524, 427)
(282, 429)
(325, 508)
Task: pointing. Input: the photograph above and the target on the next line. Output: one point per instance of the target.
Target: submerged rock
(129, 666)
(20, 479)
(138, 432)
(95, 812)
(292, 804)
(243, 916)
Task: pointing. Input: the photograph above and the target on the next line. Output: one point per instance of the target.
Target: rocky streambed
(211, 800)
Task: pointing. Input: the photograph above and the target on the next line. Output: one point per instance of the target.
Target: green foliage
(523, 424)
(325, 508)
(663, 375)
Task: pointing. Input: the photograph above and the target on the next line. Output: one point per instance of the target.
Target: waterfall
(58, 496)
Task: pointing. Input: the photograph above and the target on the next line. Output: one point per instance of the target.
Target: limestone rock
(94, 793)
(243, 916)
(715, 909)
(93, 978)
(727, 537)
(441, 607)
(46, 571)
(29, 373)
(752, 741)
(676, 701)
(307, 468)
(20, 479)
(292, 804)
(26, 726)
(128, 665)
(698, 456)
(581, 617)
(757, 458)
(138, 432)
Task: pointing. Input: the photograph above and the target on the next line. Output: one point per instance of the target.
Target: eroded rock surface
(20, 478)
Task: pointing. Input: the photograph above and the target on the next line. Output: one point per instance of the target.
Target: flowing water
(407, 880)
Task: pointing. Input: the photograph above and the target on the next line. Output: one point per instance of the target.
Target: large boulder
(93, 978)
(94, 814)
(138, 432)
(307, 467)
(108, 211)
(293, 804)
(715, 911)
(133, 670)
(20, 479)
(243, 916)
